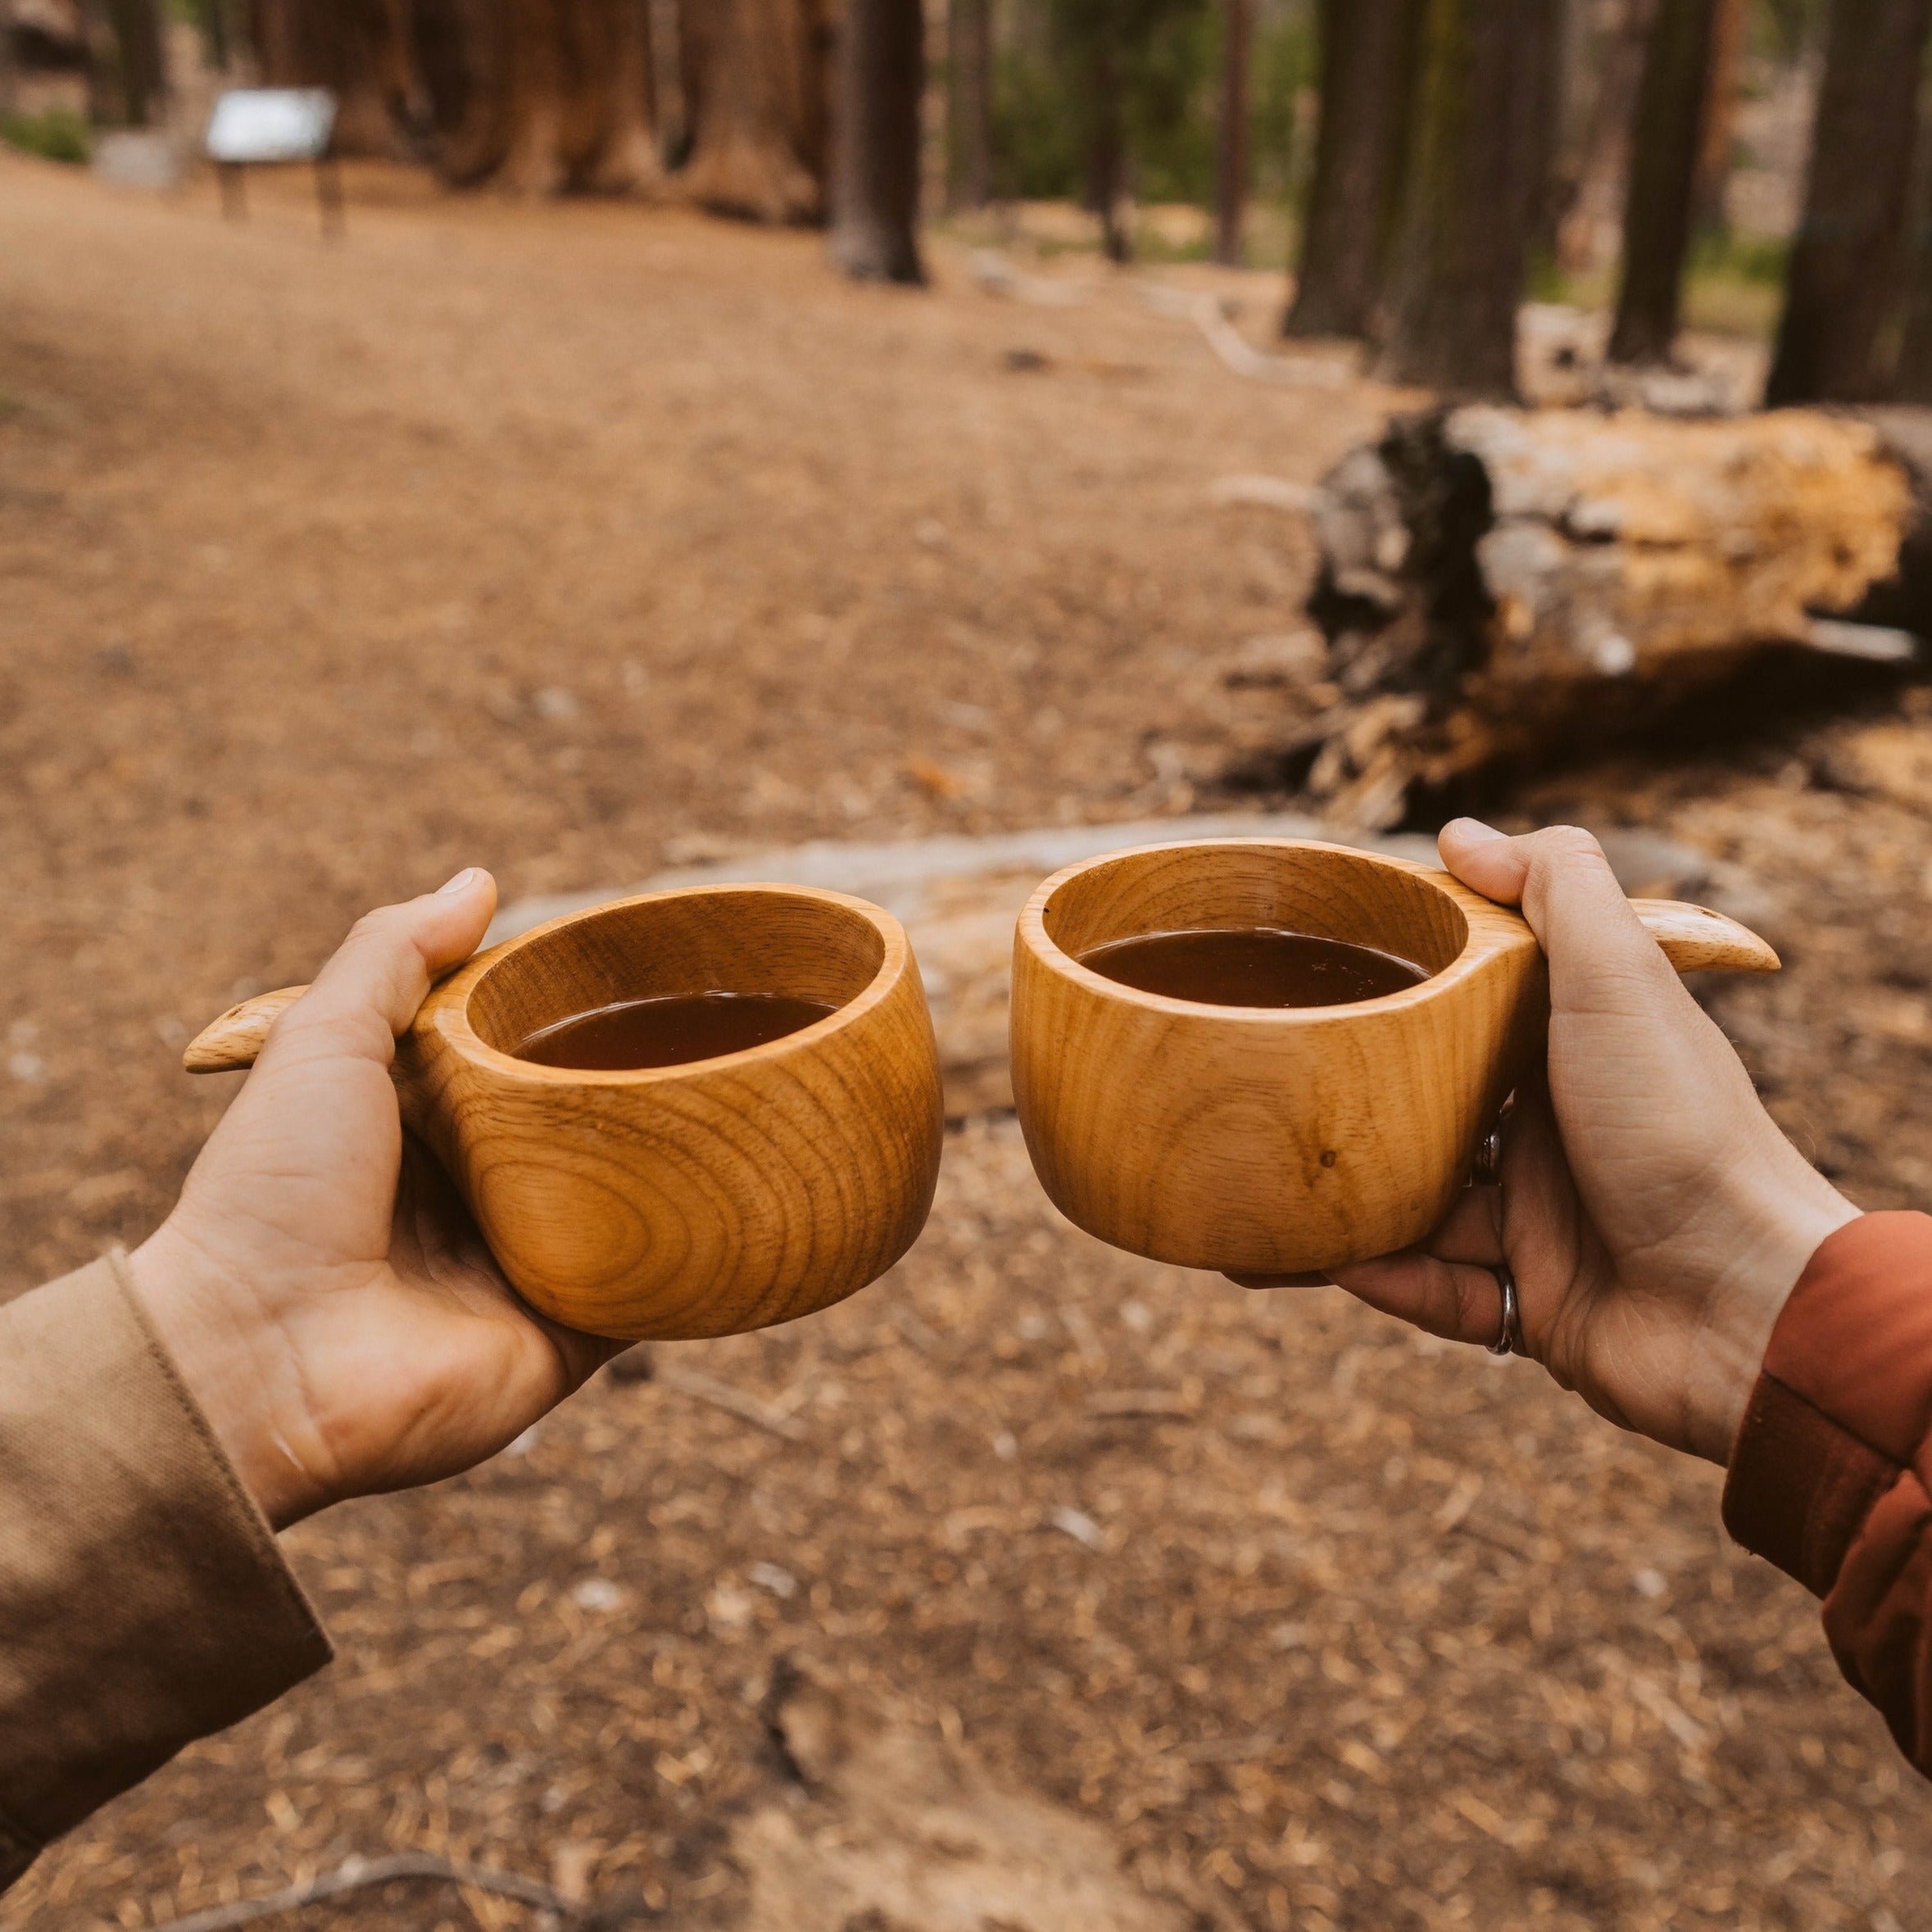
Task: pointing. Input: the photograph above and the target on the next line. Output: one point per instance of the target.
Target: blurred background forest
(1411, 159)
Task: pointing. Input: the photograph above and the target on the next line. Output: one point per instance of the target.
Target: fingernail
(1474, 829)
(462, 882)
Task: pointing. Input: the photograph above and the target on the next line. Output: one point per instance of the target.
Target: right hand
(1652, 1214)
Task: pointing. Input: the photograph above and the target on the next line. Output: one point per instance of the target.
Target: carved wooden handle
(1696, 940)
(231, 1043)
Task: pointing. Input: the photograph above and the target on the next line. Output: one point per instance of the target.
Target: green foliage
(1165, 57)
(1721, 255)
(59, 134)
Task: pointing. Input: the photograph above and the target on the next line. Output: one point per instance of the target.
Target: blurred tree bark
(1367, 72)
(1476, 166)
(139, 58)
(875, 182)
(1231, 184)
(755, 86)
(540, 97)
(1106, 144)
(1664, 152)
(1728, 24)
(1845, 262)
(969, 103)
(1590, 171)
(360, 50)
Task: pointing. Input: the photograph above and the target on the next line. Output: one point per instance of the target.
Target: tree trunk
(1475, 168)
(1728, 28)
(754, 92)
(140, 59)
(969, 103)
(360, 51)
(1843, 266)
(875, 190)
(1587, 194)
(1231, 196)
(541, 97)
(1368, 73)
(1106, 152)
(1663, 172)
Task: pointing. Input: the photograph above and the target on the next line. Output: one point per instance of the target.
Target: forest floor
(581, 541)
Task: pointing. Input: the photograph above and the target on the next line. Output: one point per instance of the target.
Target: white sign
(271, 123)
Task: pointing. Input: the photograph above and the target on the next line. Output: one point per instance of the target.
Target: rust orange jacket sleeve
(1831, 1479)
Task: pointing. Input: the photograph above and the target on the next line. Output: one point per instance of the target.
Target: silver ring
(1509, 1338)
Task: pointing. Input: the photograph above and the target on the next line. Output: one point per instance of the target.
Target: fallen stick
(735, 1402)
(1233, 349)
(357, 1873)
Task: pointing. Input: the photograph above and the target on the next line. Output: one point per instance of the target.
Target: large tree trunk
(539, 96)
(360, 51)
(1474, 176)
(875, 199)
(1231, 185)
(1368, 69)
(1658, 209)
(969, 103)
(1844, 265)
(754, 91)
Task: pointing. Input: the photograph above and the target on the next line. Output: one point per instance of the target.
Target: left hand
(324, 1294)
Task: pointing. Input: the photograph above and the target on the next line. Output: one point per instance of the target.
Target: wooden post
(235, 194)
(1237, 23)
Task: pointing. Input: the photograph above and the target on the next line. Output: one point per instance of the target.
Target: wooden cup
(1271, 1140)
(707, 1199)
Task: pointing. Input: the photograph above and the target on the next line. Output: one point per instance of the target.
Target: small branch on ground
(358, 1874)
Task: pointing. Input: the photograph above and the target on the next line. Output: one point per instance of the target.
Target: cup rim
(450, 1001)
(1490, 928)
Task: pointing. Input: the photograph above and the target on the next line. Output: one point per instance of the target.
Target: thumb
(1568, 894)
(369, 990)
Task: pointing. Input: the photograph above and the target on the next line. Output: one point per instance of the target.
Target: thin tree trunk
(1721, 108)
(1663, 172)
(1586, 200)
(875, 185)
(141, 58)
(9, 96)
(1231, 196)
(1843, 268)
(969, 103)
(1481, 147)
(1368, 49)
(1106, 153)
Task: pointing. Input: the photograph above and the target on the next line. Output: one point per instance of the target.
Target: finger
(1569, 895)
(1315, 1280)
(1458, 1300)
(369, 992)
(1471, 1231)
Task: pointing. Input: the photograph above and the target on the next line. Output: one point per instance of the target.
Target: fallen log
(1498, 582)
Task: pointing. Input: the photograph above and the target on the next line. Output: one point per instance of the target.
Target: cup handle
(1696, 940)
(230, 1044)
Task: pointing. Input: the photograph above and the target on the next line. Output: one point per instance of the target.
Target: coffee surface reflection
(1253, 966)
(668, 1031)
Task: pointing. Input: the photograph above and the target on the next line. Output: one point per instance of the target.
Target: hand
(322, 1290)
(1653, 1215)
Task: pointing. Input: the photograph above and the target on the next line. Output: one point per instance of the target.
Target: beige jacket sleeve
(143, 1601)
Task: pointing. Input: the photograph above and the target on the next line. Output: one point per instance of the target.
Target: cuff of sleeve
(144, 1598)
(1843, 1400)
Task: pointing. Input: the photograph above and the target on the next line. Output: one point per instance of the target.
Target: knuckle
(1567, 843)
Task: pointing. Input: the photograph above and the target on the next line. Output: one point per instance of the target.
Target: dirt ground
(577, 541)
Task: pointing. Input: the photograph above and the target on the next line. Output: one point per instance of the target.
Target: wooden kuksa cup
(1269, 1140)
(706, 1198)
